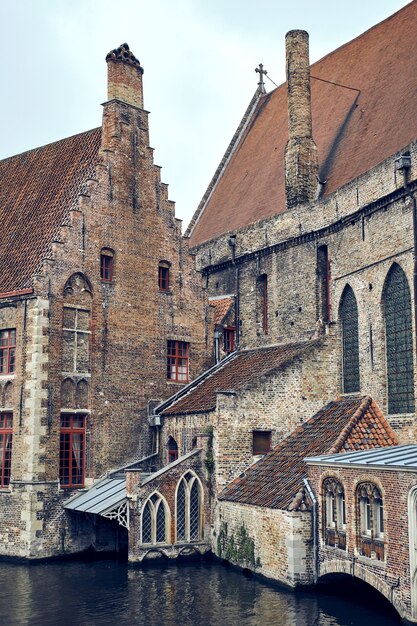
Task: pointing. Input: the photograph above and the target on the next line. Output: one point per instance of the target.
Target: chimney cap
(122, 54)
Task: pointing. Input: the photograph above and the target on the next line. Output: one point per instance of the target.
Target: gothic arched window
(155, 520)
(399, 342)
(334, 514)
(189, 508)
(348, 313)
(371, 521)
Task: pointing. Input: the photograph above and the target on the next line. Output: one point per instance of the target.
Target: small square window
(261, 441)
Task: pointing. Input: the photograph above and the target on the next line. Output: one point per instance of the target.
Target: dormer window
(163, 275)
(106, 264)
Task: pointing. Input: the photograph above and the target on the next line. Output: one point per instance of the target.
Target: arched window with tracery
(348, 313)
(189, 509)
(370, 522)
(155, 520)
(334, 514)
(399, 342)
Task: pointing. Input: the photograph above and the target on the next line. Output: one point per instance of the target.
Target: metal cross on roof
(260, 70)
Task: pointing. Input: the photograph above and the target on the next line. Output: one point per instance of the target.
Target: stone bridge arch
(339, 569)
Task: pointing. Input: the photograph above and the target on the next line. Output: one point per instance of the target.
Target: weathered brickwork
(271, 542)
(95, 345)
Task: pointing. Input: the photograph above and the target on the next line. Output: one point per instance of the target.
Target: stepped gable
(348, 423)
(370, 114)
(37, 190)
(233, 374)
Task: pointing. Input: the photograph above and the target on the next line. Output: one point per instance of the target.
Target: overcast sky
(199, 58)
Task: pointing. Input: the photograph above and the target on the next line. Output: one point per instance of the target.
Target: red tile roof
(221, 308)
(354, 129)
(37, 190)
(349, 423)
(239, 370)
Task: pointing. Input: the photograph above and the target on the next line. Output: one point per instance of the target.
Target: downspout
(315, 530)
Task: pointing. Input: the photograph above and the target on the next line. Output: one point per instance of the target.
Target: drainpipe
(403, 165)
(314, 515)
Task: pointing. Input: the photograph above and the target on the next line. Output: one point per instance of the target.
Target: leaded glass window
(194, 513)
(348, 312)
(147, 524)
(181, 512)
(189, 501)
(155, 519)
(160, 523)
(399, 342)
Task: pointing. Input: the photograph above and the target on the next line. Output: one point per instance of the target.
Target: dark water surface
(89, 593)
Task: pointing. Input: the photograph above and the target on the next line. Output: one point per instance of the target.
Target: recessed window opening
(348, 313)
(163, 275)
(189, 509)
(262, 303)
(323, 275)
(72, 450)
(261, 442)
(106, 264)
(172, 450)
(229, 339)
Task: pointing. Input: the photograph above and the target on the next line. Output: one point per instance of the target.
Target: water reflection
(102, 593)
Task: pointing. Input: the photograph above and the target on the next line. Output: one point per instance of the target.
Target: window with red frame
(7, 350)
(106, 264)
(177, 361)
(163, 276)
(261, 441)
(229, 339)
(72, 450)
(6, 436)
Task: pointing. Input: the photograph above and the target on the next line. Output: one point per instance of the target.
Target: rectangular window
(229, 339)
(106, 266)
(261, 441)
(163, 278)
(177, 361)
(72, 450)
(7, 350)
(6, 435)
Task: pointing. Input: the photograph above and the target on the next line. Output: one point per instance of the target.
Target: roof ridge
(345, 432)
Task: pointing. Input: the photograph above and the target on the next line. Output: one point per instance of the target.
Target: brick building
(101, 314)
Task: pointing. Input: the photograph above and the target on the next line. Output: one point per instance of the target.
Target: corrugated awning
(106, 498)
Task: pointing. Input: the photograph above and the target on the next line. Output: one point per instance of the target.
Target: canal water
(106, 592)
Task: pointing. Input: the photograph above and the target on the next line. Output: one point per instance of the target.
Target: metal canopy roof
(392, 457)
(107, 498)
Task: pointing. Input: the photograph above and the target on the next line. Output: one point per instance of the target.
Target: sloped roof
(233, 374)
(37, 190)
(348, 423)
(370, 114)
(221, 308)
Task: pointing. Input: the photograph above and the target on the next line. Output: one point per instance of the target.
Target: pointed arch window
(189, 509)
(348, 313)
(334, 518)
(370, 508)
(155, 520)
(399, 342)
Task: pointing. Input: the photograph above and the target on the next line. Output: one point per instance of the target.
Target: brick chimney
(124, 77)
(301, 165)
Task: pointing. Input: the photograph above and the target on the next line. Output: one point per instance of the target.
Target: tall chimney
(301, 165)
(124, 77)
